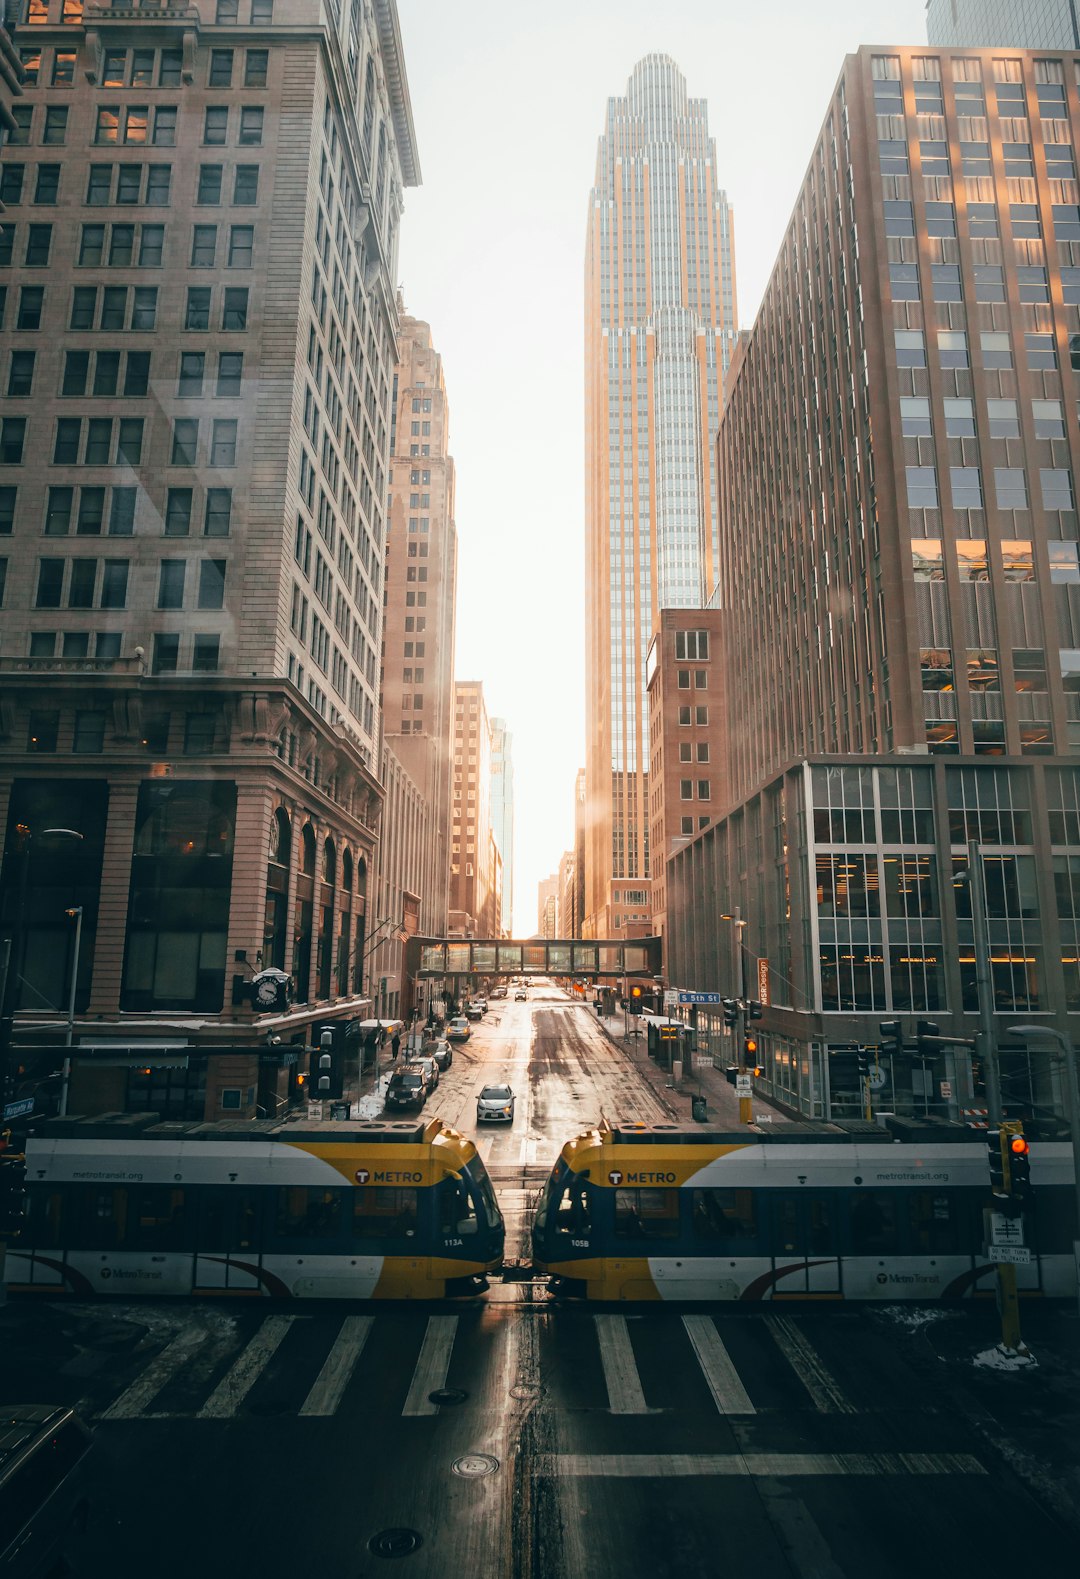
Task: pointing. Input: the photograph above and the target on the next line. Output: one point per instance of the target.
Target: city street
(509, 1436)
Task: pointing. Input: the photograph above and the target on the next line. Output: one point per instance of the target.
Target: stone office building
(197, 258)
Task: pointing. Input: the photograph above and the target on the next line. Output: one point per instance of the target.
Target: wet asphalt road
(815, 1443)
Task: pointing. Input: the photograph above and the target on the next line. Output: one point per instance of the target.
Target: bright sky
(509, 100)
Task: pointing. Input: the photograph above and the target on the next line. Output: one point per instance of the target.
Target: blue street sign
(19, 1109)
(700, 997)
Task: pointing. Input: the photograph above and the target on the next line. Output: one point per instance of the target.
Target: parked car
(427, 1066)
(440, 1051)
(495, 1104)
(482, 1001)
(458, 1030)
(407, 1088)
(521, 996)
(473, 1011)
(42, 1487)
(498, 992)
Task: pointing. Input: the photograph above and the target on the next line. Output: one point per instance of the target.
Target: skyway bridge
(595, 959)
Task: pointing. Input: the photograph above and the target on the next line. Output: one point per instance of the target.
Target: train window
(802, 1223)
(646, 1214)
(873, 1223)
(383, 1213)
(933, 1222)
(724, 1214)
(46, 1229)
(159, 1218)
(104, 1218)
(308, 1213)
(486, 1192)
(1054, 1220)
(457, 1210)
(228, 1220)
(572, 1209)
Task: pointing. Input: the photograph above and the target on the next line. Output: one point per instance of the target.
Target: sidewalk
(722, 1105)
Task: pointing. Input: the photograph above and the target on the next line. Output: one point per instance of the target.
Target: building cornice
(393, 61)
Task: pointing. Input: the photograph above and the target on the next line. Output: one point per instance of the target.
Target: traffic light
(1019, 1166)
(864, 1063)
(750, 1056)
(753, 1010)
(891, 1033)
(731, 1012)
(12, 1193)
(923, 1029)
(635, 1000)
(326, 1064)
(999, 1168)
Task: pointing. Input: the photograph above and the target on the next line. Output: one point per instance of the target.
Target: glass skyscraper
(1015, 24)
(659, 330)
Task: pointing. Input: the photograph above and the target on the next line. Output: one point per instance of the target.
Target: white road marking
(808, 1366)
(625, 1396)
(235, 1385)
(803, 1544)
(160, 1371)
(432, 1366)
(729, 1394)
(338, 1367)
(665, 1466)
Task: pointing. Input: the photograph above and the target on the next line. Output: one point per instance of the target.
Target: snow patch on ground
(914, 1317)
(1000, 1359)
(372, 1103)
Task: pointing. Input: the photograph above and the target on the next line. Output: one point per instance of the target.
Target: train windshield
(485, 1193)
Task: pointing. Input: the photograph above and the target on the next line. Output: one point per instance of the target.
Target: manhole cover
(474, 1466)
(395, 1543)
(526, 1390)
(447, 1395)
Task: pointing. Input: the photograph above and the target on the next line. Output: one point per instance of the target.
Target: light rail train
(365, 1210)
(810, 1211)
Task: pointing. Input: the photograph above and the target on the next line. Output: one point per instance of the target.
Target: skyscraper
(991, 24)
(660, 325)
(502, 816)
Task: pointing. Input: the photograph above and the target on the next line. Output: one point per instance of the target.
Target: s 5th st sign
(700, 997)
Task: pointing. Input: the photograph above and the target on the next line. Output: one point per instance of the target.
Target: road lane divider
(332, 1380)
(432, 1365)
(781, 1466)
(625, 1396)
(235, 1385)
(824, 1390)
(729, 1394)
(145, 1388)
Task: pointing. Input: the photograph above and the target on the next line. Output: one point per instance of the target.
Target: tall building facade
(900, 580)
(199, 248)
(502, 817)
(420, 603)
(659, 326)
(1013, 24)
(475, 861)
(547, 906)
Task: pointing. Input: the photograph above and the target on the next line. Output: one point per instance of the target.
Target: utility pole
(745, 1103)
(1008, 1299)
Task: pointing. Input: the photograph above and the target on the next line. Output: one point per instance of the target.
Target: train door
(805, 1244)
(229, 1241)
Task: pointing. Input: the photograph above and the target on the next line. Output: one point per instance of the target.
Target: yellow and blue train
(808, 1211)
(363, 1210)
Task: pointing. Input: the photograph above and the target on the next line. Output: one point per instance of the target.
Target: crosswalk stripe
(161, 1370)
(808, 1366)
(432, 1365)
(729, 1394)
(238, 1382)
(625, 1396)
(332, 1380)
(631, 1466)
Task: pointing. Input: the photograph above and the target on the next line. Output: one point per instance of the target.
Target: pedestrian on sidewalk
(395, 1045)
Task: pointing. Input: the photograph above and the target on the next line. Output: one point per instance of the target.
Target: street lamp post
(1072, 1079)
(77, 914)
(735, 917)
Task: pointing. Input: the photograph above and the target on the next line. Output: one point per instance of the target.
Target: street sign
(20, 1108)
(945, 1087)
(876, 1078)
(1006, 1230)
(1010, 1255)
(763, 982)
(700, 997)
(743, 1087)
(670, 999)
(703, 1061)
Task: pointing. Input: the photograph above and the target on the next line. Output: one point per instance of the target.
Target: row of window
(122, 245)
(975, 159)
(995, 349)
(1017, 558)
(89, 724)
(70, 12)
(1003, 419)
(940, 220)
(970, 98)
(200, 652)
(1033, 283)
(129, 184)
(1010, 486)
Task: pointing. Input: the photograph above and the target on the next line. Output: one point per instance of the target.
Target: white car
(458, 1030)
(495, 1104)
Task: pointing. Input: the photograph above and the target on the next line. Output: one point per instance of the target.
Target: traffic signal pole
(1008, 1299)
(746, 1114)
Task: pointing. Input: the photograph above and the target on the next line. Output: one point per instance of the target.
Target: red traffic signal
(1018, 1146)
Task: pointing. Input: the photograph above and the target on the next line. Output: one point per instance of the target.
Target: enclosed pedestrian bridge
(590, 958)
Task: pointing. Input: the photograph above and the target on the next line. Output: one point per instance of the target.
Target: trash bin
(698, 1110)
(339, 1110)
(599, 1007)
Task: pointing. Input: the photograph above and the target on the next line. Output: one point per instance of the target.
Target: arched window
(308, 853)
(329, 862)
(280, 838)
(346, 871)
